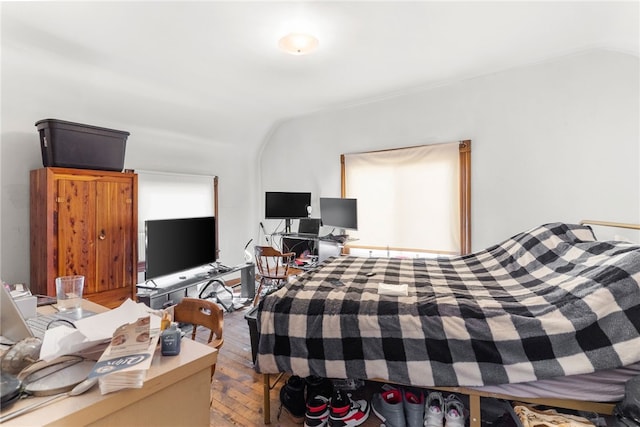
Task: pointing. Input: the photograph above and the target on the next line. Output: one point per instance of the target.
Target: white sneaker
(453, 411)
(434, 410)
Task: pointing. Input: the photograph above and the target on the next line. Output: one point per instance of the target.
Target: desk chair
(273, 267)
(200, 312)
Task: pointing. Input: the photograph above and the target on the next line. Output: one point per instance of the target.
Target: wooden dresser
(85, 222)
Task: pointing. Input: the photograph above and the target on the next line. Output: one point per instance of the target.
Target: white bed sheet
(599, 386)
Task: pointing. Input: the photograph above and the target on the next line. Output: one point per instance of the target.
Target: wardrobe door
(115, 269)
(76, 229)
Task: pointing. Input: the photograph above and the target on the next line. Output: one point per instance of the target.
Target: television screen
(339, 213)
(173, 245)
(284, 205)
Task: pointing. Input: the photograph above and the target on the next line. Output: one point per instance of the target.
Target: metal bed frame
(474, 395)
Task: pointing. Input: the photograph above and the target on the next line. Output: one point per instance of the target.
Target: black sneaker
(318, 386)
(346, 412)
(292, 399)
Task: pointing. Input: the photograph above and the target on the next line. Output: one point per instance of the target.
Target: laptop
(14, 327)
(309, 227)
(12, 324)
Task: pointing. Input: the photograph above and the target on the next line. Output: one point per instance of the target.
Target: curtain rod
(611, 224)
(150, 172)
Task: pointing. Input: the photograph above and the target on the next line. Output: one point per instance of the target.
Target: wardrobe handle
(102, 236)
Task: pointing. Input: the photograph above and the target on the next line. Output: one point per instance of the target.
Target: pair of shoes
(346, 412)
(439, 411)
(397, 408)
(312, 409)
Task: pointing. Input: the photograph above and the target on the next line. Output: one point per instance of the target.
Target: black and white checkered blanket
(546, 303)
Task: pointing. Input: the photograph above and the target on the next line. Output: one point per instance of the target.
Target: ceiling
(212, 70)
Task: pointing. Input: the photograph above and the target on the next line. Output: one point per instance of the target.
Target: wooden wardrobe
(85, 222)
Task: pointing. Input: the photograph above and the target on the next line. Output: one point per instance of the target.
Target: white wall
(556, 141)
(573, 123)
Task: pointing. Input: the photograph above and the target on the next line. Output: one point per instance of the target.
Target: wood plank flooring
(237, 388)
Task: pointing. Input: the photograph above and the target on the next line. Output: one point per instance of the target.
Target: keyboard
(304, 235)
(339, 238)
(40, 323)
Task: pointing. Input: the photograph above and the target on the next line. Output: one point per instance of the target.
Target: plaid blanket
(546, 303)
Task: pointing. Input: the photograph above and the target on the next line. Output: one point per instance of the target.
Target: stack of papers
(125, 362)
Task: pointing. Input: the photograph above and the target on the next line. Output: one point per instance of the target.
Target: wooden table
(176, 392)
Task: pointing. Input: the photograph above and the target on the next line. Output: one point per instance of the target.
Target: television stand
(161, 295)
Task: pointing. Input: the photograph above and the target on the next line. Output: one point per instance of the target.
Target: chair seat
(273, 274)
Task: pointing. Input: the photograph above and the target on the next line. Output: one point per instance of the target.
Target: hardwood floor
(237, 388)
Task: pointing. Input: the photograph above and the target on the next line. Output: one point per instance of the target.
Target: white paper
(92, 330)
(393, 290)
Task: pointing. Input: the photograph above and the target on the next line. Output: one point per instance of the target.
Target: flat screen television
(173, 245)
(339, 213)
(286, 205)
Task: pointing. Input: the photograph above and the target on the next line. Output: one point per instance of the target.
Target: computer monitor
(339, 213)
(287, 206)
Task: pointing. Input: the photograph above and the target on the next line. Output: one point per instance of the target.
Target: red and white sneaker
(346, 412)
(317, 414)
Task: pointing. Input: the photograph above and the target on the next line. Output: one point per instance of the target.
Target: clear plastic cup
(69, 292)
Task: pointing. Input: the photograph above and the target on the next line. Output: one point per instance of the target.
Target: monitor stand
(287, 226)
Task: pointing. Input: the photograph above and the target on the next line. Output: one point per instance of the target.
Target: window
(414, 199)
(166, 195)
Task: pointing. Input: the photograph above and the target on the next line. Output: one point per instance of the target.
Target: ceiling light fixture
(298, 43)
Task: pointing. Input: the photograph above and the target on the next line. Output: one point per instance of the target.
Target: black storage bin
(252, 320)
(75, 145)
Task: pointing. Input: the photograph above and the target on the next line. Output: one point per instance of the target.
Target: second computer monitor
(339, 212)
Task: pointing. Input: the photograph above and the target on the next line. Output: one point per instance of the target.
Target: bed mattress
(601, 386)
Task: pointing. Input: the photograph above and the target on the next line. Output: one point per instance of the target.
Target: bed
(548, 303)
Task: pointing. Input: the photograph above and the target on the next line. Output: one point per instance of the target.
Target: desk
(321, 247)
(175, 393)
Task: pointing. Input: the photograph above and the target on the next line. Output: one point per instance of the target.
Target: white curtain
(408, 198)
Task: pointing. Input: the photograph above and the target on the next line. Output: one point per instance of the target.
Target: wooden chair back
(273, 266)
(201, 312)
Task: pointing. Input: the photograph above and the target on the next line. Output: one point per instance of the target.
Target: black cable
(61, 320)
